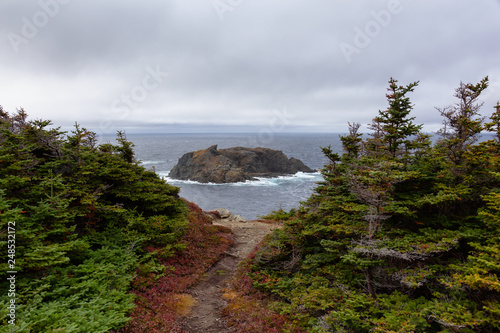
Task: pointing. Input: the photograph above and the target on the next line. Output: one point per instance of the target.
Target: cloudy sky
(240, 65)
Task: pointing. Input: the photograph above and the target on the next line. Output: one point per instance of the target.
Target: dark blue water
(250, 199)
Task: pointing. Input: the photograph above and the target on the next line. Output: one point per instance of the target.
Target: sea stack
(236, 164)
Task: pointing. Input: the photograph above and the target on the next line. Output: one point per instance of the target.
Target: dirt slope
(205, 314)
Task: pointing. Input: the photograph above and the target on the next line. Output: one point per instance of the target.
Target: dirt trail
(205, 315)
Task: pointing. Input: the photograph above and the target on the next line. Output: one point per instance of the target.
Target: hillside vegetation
(402, 235)
(100, 243)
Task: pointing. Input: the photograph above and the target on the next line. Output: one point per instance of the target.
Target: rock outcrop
(236, 164)
(225, 214)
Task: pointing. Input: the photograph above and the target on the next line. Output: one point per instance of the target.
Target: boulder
(236, 164)
(239, 218)
(226, 214)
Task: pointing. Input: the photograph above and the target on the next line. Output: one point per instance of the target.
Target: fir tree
(462, 123)
(494, 125)
(401, 236)
(77, 209)
(394, 123)
(352, 143)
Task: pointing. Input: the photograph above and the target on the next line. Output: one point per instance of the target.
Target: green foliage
(462, 121)
(494, 125)
(83, 213)
(280, 215)
(393, 125)
(351, 144)
(70, 295)
(401, 236)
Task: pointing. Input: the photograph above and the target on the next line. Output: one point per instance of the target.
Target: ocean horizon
(251, 199)
(160, 152)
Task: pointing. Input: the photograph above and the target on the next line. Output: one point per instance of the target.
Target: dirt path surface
(205, 315)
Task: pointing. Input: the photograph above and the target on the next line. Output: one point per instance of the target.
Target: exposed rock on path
(236, 164)
(205, 316)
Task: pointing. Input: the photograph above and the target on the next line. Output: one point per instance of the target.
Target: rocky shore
(236, 164)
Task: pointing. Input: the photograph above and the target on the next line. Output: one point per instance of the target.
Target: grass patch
(184, 304)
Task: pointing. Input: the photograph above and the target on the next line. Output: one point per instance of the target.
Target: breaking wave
(151, 162)
(260, 181)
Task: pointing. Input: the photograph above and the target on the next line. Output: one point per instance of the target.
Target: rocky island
(236, 164)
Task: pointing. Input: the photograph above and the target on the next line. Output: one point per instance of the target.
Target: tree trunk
(369, 282)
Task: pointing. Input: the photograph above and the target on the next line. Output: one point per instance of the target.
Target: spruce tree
(462, 123)
(352, 143)
(494, 125)
(79, 211)
(395, 239)
(395, 124)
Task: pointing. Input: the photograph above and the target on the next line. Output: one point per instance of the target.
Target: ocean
(161, 152)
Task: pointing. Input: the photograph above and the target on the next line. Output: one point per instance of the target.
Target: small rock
(224, 213)
(239, 218)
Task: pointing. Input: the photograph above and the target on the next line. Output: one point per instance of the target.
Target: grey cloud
(236, 70)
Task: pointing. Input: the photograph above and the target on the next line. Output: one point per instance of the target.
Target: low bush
(98, 242)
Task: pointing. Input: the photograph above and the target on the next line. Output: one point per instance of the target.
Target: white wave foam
(302, 175)
(260, 181)
(151, 162)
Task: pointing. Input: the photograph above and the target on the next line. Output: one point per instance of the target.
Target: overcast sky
(240, 65)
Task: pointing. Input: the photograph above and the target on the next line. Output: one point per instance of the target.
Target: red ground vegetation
(248, 309)
(203, 244)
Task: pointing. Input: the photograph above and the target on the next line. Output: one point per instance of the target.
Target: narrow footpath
(205, 315)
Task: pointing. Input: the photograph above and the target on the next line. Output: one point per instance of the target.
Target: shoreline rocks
(225, 214)
(236, 164)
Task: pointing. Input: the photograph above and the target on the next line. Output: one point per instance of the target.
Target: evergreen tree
(462, 123)
(79, 210)
(401, 236)
(494, 125)
(395, 125)
(352, 143)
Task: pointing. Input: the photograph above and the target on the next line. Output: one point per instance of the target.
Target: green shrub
(84, 214)
(401, 236)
